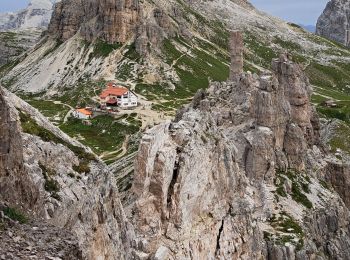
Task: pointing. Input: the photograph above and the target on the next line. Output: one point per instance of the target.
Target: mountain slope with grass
(172, 49)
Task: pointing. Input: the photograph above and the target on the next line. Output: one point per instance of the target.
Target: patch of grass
(50, 184)
(132, 54)
(289, 45)
(81, 94)
(105, 134)
(279, 183)
(300, 186)
(288, 231)
(194, 70)
(124, 71)
(341, 138)
(103, 49)
(55, 112)
(55, 47)
(30, 126)
(262, 52)
(15, 215)
(328, 76)
(324, 184)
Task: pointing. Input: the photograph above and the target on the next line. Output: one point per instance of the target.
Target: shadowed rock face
(334, 23)
(15, 186)
(112, 21)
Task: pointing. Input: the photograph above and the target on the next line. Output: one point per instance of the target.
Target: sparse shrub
(16, 215)
(83, 167)
(52, 186)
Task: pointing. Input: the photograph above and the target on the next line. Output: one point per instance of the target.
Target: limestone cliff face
(213, 184)
(15, 187)
(41, 173)
(113, 21)
(334, 23)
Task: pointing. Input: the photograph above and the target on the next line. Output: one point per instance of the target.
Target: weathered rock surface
(40, 176)
(13, 44)
(35, 240)
(205, 183)
(112, 21)
(334, 22)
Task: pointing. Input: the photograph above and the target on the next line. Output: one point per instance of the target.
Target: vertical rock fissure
(218, 237)
(173, 180)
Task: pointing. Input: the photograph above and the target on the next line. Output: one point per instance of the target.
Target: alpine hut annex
(119, 96)
(82, 113)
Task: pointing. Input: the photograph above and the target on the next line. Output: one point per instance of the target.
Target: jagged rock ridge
(334, 23)
(205, 184)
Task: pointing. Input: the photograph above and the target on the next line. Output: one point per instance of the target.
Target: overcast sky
(298, 11)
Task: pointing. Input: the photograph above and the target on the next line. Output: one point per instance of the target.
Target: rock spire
(236, 53)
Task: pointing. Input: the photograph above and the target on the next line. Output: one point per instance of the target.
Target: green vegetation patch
(288, 231)
(289, 45)
(30, 126)
(82, 93)
(50, 184)
(262, 52)
(55, 112)
(103, 49)
(300, 186)
(105, 134)
(341, 138)
(15, 215)
(194, 69)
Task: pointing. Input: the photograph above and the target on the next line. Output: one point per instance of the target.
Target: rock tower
(236, 53)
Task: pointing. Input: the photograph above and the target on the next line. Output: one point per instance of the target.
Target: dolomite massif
(21, 30)
(110, 21)
(37, 15)
(240, 173)
(334, 23)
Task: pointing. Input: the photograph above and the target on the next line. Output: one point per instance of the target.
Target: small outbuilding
(82, 113)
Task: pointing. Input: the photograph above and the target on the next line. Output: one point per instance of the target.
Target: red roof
(113, 91)
(85, 111)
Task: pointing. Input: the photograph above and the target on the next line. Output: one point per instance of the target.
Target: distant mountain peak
(36, 15)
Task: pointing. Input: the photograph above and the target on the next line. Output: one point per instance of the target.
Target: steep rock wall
(334, 22)
(207, 183)
(40, 169)
(113, 21)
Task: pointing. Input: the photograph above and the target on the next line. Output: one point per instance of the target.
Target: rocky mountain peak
(36, 16)
(334, 23)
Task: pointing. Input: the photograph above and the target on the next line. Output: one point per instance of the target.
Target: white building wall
(130, 101)
(79, 115)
